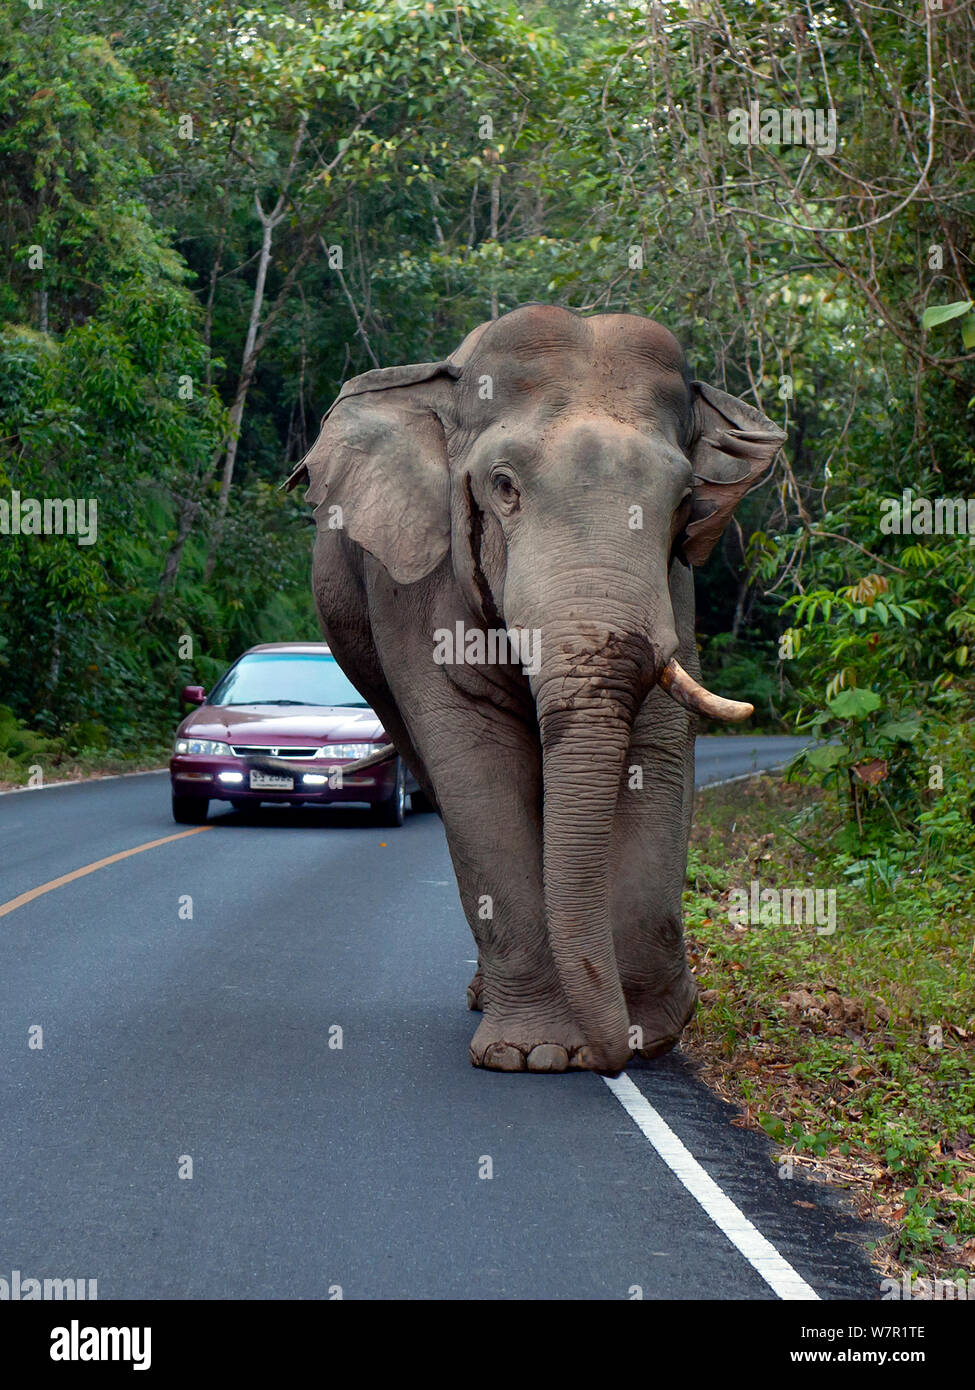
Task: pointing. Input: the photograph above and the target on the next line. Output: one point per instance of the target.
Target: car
(279, 726)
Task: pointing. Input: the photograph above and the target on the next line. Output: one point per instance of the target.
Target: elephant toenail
(502, 1056)
(548, 1057)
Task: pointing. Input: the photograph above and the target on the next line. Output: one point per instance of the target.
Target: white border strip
(744, 777)
(760, 1253)
(81, 781)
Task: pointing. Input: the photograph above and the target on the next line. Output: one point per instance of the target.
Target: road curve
(363, 1168)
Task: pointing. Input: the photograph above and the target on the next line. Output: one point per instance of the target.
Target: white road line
(760, 1253)
(744, 777)
(80, 781)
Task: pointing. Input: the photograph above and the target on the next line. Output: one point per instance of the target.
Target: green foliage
(883, 671)
(744, 669)
(854, 1050)
(110, 406)
(22, 747)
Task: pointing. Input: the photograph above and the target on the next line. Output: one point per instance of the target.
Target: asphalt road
(316, 1168)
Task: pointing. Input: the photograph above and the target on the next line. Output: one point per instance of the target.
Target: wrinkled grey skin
(498, 489)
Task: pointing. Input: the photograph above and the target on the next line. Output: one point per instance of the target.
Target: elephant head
(565, 464)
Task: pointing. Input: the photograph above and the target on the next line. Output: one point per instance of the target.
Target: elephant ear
(735, 445)
(381, 457)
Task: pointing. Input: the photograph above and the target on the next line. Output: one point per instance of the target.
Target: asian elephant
(551, 482)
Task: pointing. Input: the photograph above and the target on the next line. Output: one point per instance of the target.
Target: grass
(854, 1051)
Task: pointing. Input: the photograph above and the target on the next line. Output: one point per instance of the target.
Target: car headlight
(205, 747)
(349, 750)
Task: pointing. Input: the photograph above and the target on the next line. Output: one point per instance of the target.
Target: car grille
(243, 749)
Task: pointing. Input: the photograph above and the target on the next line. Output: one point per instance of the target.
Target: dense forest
(212, 215)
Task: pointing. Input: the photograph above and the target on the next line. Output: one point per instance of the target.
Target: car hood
(276, 724)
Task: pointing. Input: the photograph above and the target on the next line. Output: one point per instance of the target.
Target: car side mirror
(193, 695)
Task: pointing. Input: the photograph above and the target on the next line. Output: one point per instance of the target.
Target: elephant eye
(505, 487)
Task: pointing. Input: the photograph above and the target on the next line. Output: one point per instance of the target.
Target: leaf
(903, 729)
(968, 331)
(822, 759)
(855, 703)
(872, 772)
(943, 313)
(773, 1127)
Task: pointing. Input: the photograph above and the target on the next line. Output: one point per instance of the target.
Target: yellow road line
(53, 883)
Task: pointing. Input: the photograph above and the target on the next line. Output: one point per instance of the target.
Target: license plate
(269, 782)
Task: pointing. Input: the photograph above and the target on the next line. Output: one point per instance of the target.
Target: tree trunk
(247, 369)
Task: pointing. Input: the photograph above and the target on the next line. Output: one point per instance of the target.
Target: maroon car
(274, 728)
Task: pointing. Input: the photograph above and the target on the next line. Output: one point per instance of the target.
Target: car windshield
(286, 678)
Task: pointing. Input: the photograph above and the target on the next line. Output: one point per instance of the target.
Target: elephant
(552, 483)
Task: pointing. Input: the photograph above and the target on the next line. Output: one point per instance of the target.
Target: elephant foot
(474, 992)
(661, 1018)
(524, 1045)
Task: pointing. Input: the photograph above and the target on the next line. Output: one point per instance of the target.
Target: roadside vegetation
(28, 758)
(854, 1050)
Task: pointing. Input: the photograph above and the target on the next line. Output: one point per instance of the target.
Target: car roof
(315, 648)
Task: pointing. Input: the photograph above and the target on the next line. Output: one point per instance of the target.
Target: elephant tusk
(686, 691)
(384, 755)
(280, 765)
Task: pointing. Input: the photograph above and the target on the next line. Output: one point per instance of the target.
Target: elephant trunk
(585, 722)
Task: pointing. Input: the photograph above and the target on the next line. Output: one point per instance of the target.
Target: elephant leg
(650, 863)
(475, 989)
(485, 766)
